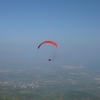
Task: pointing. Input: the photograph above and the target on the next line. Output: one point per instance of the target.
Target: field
(42, 82)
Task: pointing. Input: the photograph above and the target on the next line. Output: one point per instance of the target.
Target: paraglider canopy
(49, 42)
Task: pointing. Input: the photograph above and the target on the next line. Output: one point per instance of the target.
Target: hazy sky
(73, 24)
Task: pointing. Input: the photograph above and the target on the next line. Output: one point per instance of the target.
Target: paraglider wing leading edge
(49, 42)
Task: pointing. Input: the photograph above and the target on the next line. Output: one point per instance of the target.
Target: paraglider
(48, 42)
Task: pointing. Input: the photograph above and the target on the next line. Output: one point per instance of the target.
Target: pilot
(49, 59)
